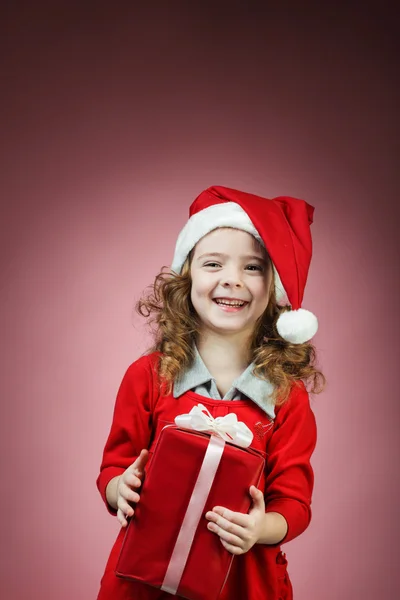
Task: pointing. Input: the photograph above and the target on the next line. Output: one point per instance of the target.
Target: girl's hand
(130, 480)
(239, 532)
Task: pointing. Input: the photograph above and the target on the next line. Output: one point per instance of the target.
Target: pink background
(113, 121)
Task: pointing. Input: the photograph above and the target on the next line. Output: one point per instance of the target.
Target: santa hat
(281, 225)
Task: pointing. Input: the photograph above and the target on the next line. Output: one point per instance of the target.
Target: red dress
(139, 415)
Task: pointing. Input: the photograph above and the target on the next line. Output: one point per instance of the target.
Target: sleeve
(289, 475)
(131, 424)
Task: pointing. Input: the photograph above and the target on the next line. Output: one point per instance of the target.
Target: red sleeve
(290, 477)
(131, 425)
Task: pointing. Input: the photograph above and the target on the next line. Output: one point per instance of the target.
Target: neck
(229, 352)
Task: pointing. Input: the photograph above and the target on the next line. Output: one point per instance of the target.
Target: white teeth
(229, 302)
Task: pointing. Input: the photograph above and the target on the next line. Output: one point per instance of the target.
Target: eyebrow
(222, 255)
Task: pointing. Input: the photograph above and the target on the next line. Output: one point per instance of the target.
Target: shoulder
(145, 366)
(298, 401)
(140, 381)
(295, 419)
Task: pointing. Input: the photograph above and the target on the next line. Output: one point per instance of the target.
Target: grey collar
(256, 389)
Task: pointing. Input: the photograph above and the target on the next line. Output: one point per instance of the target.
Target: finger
(141, 462)
(225, 524)
(128, 494)
(234, 517)
(230, 538)
(121, 518)
(257, 497)
(232, 549)
(125, 507)
(132, 480)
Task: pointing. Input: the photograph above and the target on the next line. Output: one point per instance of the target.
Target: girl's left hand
(239, 532)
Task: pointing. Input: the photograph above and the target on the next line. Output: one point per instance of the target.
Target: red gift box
(167, 543)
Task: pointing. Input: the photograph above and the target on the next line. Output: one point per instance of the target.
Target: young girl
(231, 335)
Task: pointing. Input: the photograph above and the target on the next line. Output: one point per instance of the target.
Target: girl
(230, 334)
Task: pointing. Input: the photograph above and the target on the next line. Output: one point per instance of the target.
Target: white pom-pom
(297, 326)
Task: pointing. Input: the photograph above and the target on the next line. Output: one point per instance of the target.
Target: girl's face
(231, 281)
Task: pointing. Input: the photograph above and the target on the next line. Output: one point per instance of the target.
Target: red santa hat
(281, 225)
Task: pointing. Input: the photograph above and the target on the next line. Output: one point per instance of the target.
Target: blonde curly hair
(175, 326)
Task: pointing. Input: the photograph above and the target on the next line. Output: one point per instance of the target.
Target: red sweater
(139, 415)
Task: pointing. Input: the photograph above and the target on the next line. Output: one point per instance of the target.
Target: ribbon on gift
(228, 427)
(222, 429)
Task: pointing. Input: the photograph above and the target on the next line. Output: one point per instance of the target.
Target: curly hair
(175, 327)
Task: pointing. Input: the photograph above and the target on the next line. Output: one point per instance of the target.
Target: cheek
(201, 287)
(261, 292)
(196, 293)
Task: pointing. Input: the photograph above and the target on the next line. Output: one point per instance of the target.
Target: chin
(225, 328)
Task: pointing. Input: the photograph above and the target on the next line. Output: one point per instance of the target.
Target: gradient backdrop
(113, 120)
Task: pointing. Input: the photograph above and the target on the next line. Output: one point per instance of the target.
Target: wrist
(273, 529)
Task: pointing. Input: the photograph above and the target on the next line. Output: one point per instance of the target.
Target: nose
(232, 279)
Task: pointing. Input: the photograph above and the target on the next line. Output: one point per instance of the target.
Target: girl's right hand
(130, 480)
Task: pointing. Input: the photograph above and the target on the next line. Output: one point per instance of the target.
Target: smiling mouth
(226, 302)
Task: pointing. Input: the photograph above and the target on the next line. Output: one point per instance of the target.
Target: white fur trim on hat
(297, 326)
(280, 294)
(226, 214)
